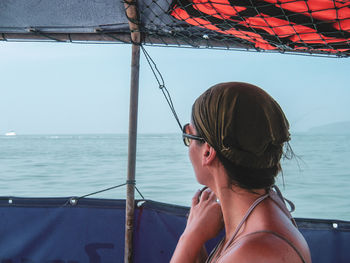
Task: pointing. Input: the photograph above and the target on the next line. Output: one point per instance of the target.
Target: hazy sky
(54, 88)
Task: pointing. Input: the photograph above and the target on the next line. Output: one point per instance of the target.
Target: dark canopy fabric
(299, 26)
(52, 230)
(64, 16)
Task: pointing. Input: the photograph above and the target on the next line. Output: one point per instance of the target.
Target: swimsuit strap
(282, 238)
(280, 201)
(213, 252)
(277, 197)
(290, 203)
(249, 211)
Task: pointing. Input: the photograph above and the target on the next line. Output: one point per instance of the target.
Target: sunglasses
(188, 137)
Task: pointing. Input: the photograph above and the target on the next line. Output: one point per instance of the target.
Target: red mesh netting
(314, 25)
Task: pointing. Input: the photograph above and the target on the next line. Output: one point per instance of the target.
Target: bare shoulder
(262, 247)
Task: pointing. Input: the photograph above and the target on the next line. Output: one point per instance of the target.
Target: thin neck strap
(251, 208)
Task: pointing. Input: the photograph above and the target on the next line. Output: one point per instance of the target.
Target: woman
(235, 144)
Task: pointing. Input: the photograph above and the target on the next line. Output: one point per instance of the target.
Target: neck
(234, 201)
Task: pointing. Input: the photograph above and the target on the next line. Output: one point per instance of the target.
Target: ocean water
(317, 180)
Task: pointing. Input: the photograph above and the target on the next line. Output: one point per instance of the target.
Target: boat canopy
(319, 27)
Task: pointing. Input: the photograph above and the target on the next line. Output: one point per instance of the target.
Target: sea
(317, 179)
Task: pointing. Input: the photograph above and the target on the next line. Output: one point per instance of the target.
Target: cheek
(195, 160)
(191, 157)
(191, 154)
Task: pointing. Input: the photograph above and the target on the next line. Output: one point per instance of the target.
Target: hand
(205, 219)
(204, 222)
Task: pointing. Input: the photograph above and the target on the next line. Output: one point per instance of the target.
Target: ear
(208, 154)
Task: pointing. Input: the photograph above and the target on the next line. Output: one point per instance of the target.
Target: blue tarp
(52, 230)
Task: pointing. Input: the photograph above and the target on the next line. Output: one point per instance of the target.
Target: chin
(201, 181)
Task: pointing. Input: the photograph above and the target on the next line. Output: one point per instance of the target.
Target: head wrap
(243, 123)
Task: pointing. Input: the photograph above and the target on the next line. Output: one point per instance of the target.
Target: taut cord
(161, 84)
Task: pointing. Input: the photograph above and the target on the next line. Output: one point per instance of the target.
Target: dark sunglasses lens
(185, 131)
(186, 141)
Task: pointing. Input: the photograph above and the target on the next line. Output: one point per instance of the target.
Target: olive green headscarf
(243, 123)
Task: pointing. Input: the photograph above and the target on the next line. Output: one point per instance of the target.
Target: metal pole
(132, 14)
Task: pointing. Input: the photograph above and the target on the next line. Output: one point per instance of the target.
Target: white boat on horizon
(10, 133)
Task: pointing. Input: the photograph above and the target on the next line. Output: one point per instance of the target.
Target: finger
(201, 191)
(212, 196)
(205, 194)
(195, 198)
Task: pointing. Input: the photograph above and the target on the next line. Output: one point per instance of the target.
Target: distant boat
(10, 133)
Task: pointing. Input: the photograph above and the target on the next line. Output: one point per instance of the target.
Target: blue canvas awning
(54, 230)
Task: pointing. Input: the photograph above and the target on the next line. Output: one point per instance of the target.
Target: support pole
(130, 199)
(132, 14)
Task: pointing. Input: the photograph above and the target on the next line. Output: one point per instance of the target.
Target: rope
(159, 78)
(132, 20)
(139, 192)
(3, 37)
(38, 32)
(70, 38)
(101, 191)
(157, 74)
(74, 200)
